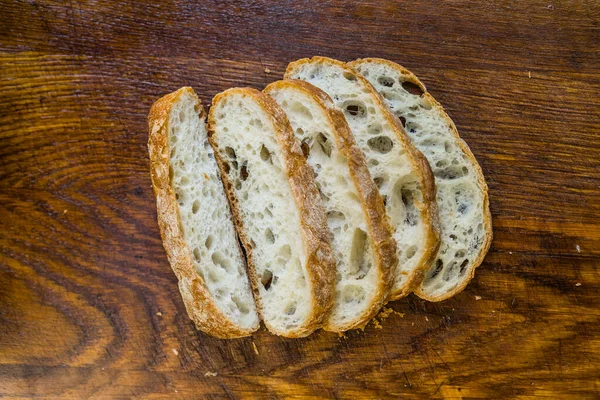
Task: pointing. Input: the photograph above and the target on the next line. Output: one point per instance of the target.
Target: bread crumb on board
(175, 352)
(267, 71)
(387, 311)
(477, 297)
(578, 248)
(210, 373)
(255, 348)
(578, 284)
(383, 314)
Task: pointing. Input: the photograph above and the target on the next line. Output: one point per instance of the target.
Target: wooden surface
(89, 306)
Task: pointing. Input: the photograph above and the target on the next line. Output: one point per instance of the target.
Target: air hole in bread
(269, 236)
(353, 294)
(374, 129)
(441, 163)
(252, 244)
(214, 277)
(463, 266)
(453, 237)
(266, 279)
(402, 121)
(447, 147)
(439, 264)
(373, 163)
(349, 75)
(305, 148)
(244, 171)
(335, 219)
(411, 251)
(196, 253)
(324, 144)
(449, 173)
(265, 154)
(408, 199)
(354, 109)
(412, 88)
(226, 167)
(379, 181)
(385, 81)
(171, 173)
(220, 260)
(359, 264)
(390, 95)
(341, 180)
(195, 206)
(285, 251)
(449, 271)
(299, 109)
(290, 308)
(412, 127)
(425, 104)
(381, 144)
(460, 253)
(230, 153)
(208, 243)
(384, 198)
(240, 305)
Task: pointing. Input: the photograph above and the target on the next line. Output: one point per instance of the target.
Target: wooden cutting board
(89, 307)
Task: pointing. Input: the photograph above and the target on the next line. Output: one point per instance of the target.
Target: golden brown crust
(428, 209)
(409, 76)
(379, 228)
(313, 225)
(198, 301)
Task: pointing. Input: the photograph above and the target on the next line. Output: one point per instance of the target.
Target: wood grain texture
(89, 307)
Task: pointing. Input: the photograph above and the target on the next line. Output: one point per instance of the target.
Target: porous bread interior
(249, 148)
(459, 195)
(386, 157)
(205, 216)
(356, 281)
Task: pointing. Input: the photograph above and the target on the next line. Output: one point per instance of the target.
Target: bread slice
(462, 195)
(361, 238)
(277, 209)
(401, 172)
(195, 221)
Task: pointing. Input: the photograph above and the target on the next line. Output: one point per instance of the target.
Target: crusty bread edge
(197, 300)
(487, 217)
(320, 263)
(379, 228)
(428, 209)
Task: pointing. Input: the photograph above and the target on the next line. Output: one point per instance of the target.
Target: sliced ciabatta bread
(195, 221)
(361, 240)
(277, 209)
(401, 172)
(462, 198)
